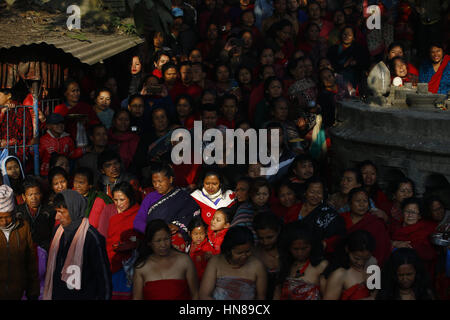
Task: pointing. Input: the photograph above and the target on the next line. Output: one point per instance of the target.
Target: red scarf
(433, 85)
(216, 239)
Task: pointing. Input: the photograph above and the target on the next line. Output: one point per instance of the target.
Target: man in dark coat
(78, 266)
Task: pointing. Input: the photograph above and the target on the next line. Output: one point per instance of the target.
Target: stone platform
(398, 139)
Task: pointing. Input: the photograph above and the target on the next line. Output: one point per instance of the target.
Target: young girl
(13, 176)
(302, 265)
(220, 224)
(404, 278)
(347, 273)
(200, 249)
(210, 195)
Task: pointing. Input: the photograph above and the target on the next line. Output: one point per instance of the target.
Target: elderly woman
(436, 71)
(18, 260)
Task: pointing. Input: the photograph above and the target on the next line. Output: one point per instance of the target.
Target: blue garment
(106, 117)
(263, 9)
(426, 71)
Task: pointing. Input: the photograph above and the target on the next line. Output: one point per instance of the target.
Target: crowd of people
(111, 216)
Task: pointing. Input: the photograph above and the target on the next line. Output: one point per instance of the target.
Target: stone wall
(416, 143)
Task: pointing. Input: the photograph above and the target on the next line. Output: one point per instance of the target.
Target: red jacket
(216, 239)
(63, 145)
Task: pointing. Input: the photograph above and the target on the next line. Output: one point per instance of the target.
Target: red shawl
(216, 239)
(357, 292)
(198, 256)
(120, 230)
(433, 85)
(287, 214)
(376, 227)
(418, 234)
(170, 289)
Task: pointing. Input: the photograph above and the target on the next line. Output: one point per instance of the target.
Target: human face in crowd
(111, 169)
(328, 79)
(219, 221)
(170, 76)
(111, 84)
(33, 197)
(313, 33)
(5, 219)
(99, 137)
(163, 59)
(184, 109)
(223, 75)
(347, 36)
(208, 98)
(285, 33)
(63, 162)
(267, 238)
(287, 197)
(395, 52)
(401, 69)
(314, 194)
(244, 3)
(241, 191)
(213, 32)
(292, 6)
(121, 201)
(210, 4)
(248, 19)
(186, 75)
(275, 89)
(209, 119)
(81, 184)
(4, 98)
(339, 18)
(240, 254)
(300, 250)
(63, 216)
(72, 93)
(158, 40)
(436, 54)
(309, 69)
(314, 12)
(103, 100)
(162, 183)
(411, 214)
(13, 169)
(267, 57)
(197, 73)
(122, 122)
(211, 184)
(244, 76)
(404, 191)
(359, 204)
(437, 211)
(195, 56)
(59, 183)
(160, 120)
(369, 174)
(304, 170)
(280, 6)
(254, 170)
(136, 107)
(348, 182)
(268, 71)
(325, 64)
(406, 275)
(261, 197)
(136, 65)
(358, 259)
(248, 40)
(160, 243)
(198, 234)
(299, 71)
(281, 111)
(229, 109)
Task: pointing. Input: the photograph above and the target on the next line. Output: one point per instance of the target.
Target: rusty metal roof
(88, 45)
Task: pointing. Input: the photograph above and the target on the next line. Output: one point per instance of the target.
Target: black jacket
(96, 282)
(41, 225)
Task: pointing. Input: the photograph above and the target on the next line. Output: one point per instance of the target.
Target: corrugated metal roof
(96, 49)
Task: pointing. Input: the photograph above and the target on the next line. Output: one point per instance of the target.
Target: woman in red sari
(414, 233)
(161, 272)
(436, 70)
(403, 188)
(369, 173)
(121, 238)
(289, 206)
